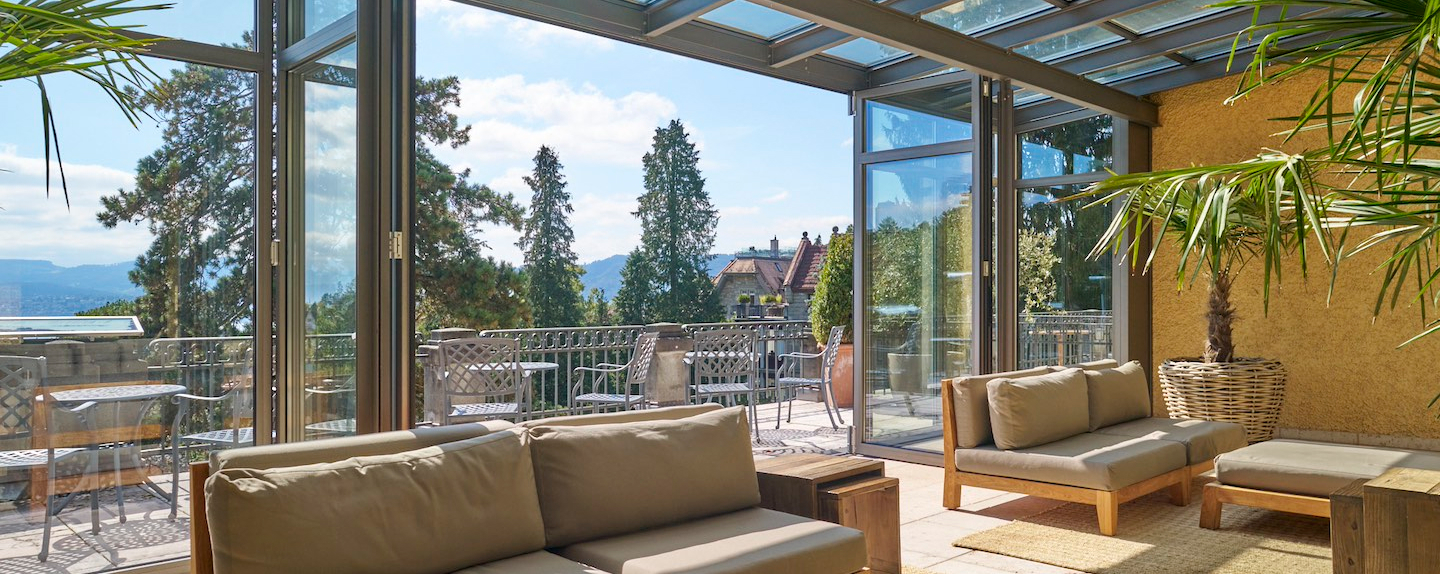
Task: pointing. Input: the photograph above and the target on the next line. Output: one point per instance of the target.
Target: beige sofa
(660, 491)
(1079, 434)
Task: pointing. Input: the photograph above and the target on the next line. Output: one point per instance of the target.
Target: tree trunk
(1220, 317)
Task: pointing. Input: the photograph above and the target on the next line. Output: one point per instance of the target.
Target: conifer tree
(553, 273)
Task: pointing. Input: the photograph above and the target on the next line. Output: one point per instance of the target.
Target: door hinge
(984, 268)
(397, 245)
(985, 88)
(274, 253)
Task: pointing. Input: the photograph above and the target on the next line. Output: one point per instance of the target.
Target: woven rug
(1158, 537)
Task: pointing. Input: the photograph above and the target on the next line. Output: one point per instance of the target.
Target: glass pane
(918, 307)
(922, 117)
(1024, 96)
(1217, 47)
(329, 191)
(865, 52)
(229, 22)
(1065, 297)
(1068, 43)
(1077, 147)
(754, 19)
(1133, 69)
(315, 15)
(150, 272)
(973, 16)
(1165, 15)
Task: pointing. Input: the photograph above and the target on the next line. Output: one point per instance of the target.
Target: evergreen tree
(597, 309)
(677, 223)
(550, 264)
(636, 299)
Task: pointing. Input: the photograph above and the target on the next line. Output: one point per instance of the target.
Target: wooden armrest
(202, 560)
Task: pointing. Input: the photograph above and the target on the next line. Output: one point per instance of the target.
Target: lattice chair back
(20, 378)
(725, 356)
(480, 369)
(832, 350)
(638, 373)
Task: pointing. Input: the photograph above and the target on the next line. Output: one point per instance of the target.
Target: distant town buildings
(762, 277)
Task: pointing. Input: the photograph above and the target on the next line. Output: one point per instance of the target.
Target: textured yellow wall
(1346, 373)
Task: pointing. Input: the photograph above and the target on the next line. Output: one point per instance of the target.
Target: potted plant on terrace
(744, 300)
(834, 304)
(772, 303)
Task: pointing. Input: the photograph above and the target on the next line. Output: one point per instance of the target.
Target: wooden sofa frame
(1215, 496)
(1106, 502)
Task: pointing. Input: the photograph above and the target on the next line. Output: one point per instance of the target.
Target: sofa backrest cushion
(334, 449)
(604, 480)
(1091, 365)
(432, 510)
(1118, 395)
(971, 404)
(658, 414)
(1040, 409)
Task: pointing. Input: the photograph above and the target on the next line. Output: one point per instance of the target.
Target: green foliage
(1036, 274)
(744, 299)
(834, 301)
(551, 266)
(597, 309)
(677, 224)
(43, 37)
(116, 308)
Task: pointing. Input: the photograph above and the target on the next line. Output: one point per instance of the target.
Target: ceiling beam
(803, 45)
(696, 40)
(866, 19)
(668, 15)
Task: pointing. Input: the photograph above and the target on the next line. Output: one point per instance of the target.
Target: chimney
(775, 247)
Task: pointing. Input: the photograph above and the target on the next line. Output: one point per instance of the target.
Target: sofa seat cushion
(750, 541)
(533, 563)
(1313, 468)
(1203, 440)
(605, 480)
(1089, 460)
(428, 511)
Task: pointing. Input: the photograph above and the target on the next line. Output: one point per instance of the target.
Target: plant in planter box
(744, 300)
(834, 304)
(772, 303)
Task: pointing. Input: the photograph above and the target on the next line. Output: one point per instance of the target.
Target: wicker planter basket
(1247, 391)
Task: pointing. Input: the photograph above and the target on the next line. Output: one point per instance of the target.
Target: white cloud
(736, 233)
(512, 181)
(738, 210)
(512, 117)
(35, 227)
(779, 196)
(848, 143)
(530, 34)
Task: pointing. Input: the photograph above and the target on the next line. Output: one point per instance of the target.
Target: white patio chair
(20, 380)
(213, 362)
(634, 390)
(791, 378)
(724, 365)
(479, 378)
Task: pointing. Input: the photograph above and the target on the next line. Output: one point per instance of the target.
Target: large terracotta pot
(842, 376)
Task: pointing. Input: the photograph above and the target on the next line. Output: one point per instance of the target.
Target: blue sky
(776, 155)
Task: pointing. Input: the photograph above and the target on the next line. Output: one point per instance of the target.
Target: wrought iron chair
(724, 362)
(318, 400)
(20, 397)
(791, 378)
(475, 376)
(206, 365)
(634, 392)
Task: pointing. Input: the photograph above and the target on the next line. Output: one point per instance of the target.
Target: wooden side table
(851, 492)
(1347, 528)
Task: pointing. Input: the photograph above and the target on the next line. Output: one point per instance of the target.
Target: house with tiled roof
(757, 274)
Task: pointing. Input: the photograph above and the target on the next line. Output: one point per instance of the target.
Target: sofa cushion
(331, 450)
(541, 562)
(971, 404)
(603, 480)
(1091, 365)
(1031, 411)
(1095, 461)
(1117, 395)
(658, 414)
(1203, 440)
(432, 510)
(1313, 468)
(751, 541)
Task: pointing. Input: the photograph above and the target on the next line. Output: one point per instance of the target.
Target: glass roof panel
(1068, 43)
(754, 19)
(1132, 69)
(1165, 15)
(1024, 96)
(1216, 48)
(865, 52)
(970, 16)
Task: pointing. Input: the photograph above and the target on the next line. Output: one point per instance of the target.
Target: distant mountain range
(31, 287)
(605, 273)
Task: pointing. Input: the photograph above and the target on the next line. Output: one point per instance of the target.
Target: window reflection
(922, 117)
(1077, 147)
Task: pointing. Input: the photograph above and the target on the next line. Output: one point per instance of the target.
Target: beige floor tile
(1008, 564)
(956, 566)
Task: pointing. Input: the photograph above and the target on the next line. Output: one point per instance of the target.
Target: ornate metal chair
(725, 365)
(633, 390)
(791, 378)
(204, 421)
(20, 397)
(479, 378)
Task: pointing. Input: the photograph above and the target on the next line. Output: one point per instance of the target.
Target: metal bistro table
(119, 395)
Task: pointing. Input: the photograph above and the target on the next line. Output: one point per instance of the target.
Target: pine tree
(636, 299)
(550, 264)
(597, 309)
(677, 224)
